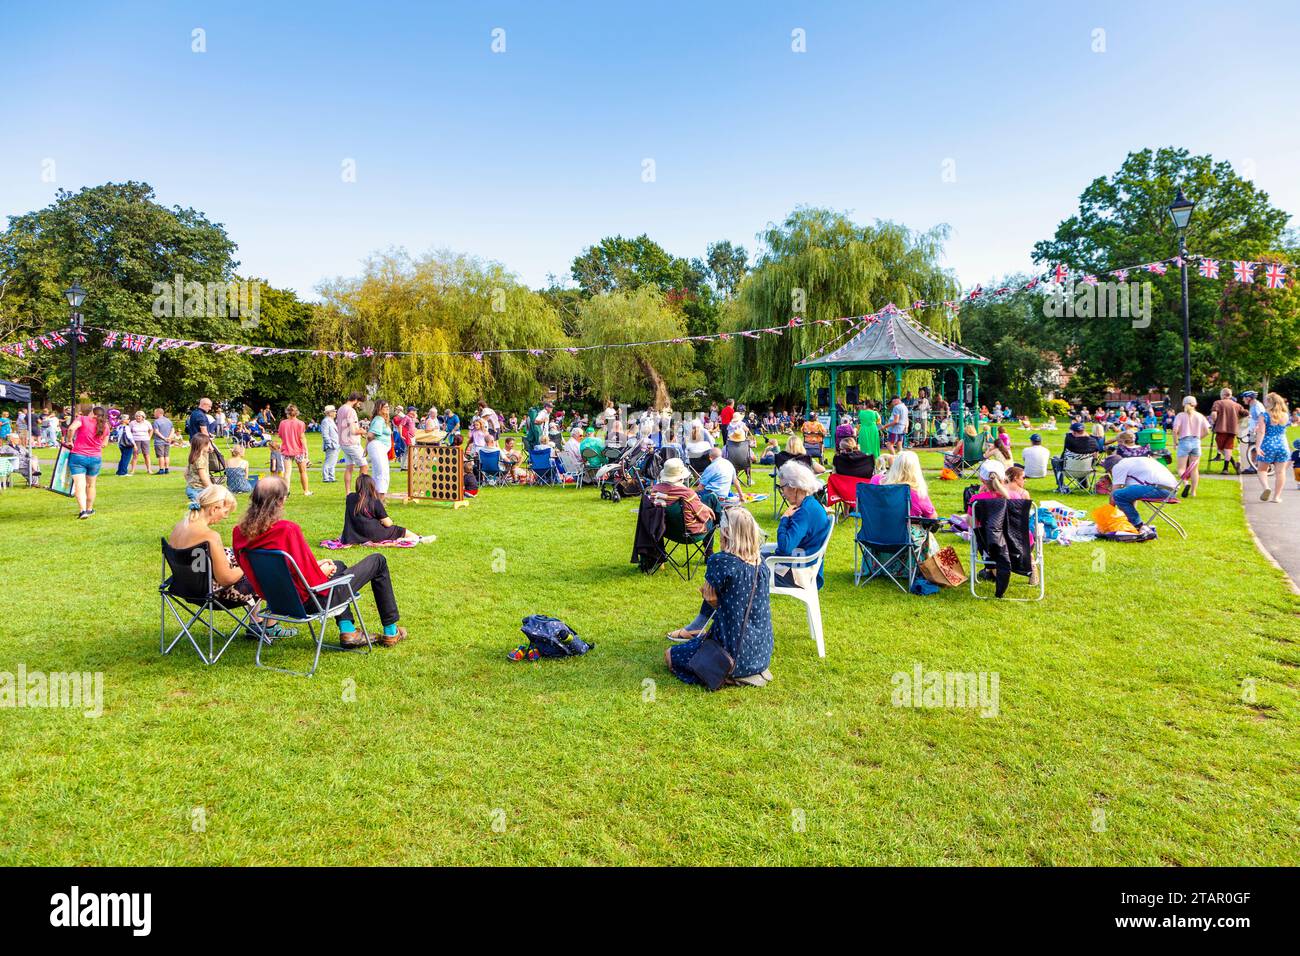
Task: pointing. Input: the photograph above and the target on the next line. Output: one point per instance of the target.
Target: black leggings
(372, 570)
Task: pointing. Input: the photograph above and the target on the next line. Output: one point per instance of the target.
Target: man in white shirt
(1254, 429)
(1135, 478)
(897, 431)
(720, 476)
(1037, 458)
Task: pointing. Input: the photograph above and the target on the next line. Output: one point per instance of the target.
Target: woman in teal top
(379, 437)
(869, 431)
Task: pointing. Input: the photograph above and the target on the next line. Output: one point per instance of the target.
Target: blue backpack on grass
(552, 637)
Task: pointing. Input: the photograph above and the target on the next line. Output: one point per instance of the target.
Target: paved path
(1276, 524)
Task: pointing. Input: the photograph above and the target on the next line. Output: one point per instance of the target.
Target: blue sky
(529, 155)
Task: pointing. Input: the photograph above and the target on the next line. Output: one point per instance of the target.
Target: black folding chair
(277, 579)
(685, 552)
(186, 591)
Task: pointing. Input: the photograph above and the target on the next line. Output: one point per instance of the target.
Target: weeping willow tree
(435, 304)
(652, 373)
(819, 264)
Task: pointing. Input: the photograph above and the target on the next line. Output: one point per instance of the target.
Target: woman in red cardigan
(264, 526)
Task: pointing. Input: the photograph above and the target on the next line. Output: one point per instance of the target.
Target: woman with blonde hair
(795, 451)
(735, 608)
(213, 505)
(906, 470)
(1272, 454)
(1190, 429)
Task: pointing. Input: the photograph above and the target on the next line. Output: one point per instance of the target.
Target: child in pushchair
(627, 477)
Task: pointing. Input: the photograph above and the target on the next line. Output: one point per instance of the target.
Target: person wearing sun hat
(673, 485)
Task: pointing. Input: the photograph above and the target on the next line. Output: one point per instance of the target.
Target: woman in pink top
(87, 436)
(1190, 428)
(293, 444)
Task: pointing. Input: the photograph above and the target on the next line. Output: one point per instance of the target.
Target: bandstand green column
(961, 398)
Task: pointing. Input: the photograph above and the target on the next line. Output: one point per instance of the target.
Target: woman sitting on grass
(735, 607)
(264, 526)
(213, 506)
(366, 520)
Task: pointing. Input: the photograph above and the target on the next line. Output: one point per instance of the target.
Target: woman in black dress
(365, 519)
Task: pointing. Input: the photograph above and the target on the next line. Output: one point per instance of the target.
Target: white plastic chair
(808, 593)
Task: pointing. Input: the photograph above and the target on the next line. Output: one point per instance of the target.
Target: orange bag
(947, 475)
(1110, 519)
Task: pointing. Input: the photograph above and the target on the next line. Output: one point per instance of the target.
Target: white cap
(989, 468)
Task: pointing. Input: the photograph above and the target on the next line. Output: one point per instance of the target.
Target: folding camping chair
(686, 552)
(972, 456)
(572, 466)
(8, 465)
(186, 589)
(883, 535)
(806, 566)
(542, 465)
(278, 577)
(489, 466)
(1077, 472)
(1156, 506)
(1017, 519)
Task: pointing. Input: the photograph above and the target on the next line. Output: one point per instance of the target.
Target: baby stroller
(625, 478)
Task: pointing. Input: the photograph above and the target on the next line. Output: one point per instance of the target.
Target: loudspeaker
(851, 394)
(823, 397)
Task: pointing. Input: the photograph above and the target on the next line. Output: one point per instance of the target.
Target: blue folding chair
(278, 577)
(883, 535)
(542, 464)
(489, 466)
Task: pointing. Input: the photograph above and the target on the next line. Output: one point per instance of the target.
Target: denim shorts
(1189, 446)
(87, 465)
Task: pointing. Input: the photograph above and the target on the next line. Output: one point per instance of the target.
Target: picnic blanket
(337, 544)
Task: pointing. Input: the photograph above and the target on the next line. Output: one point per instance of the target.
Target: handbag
(944, 568)
(711, 663)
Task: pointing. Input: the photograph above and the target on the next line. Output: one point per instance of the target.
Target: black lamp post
(1180, 211)
(75, 296)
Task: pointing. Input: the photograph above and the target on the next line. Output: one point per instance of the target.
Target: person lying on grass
(366, 520)
(735, 607)
(264, 526)
(212, 506)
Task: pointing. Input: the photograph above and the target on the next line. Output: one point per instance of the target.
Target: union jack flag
(794, 321)
(1244, 270)
(1002, 291)
(724, 337)
(975, 293)
(1275, 275)
(1157, 267)
(1089, 280)
(1059, 274)
(1209, 268)
(1121, 275)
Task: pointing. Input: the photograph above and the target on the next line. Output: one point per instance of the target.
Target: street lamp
(75, 295)
(1180, 211)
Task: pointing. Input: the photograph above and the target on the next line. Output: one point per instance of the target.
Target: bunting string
(1272, 275)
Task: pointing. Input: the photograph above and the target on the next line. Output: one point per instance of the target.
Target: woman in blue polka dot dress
(735, 609)
(1272, 452)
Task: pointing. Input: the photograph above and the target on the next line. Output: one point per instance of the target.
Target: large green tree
(651, 373)
(123, 246)
(1022, 351)
(1123, 220)
(438, 304)
(819, 264)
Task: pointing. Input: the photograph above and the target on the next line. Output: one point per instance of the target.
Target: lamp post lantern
(75, 295)
(1180, 211)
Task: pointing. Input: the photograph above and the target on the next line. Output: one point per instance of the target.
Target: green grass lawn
(1125, 733)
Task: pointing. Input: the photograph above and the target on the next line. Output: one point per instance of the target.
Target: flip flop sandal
(677, 636)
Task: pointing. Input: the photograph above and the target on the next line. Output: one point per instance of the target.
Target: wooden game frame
(435, 473)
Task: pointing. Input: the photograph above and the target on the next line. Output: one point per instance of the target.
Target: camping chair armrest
(332, 583)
